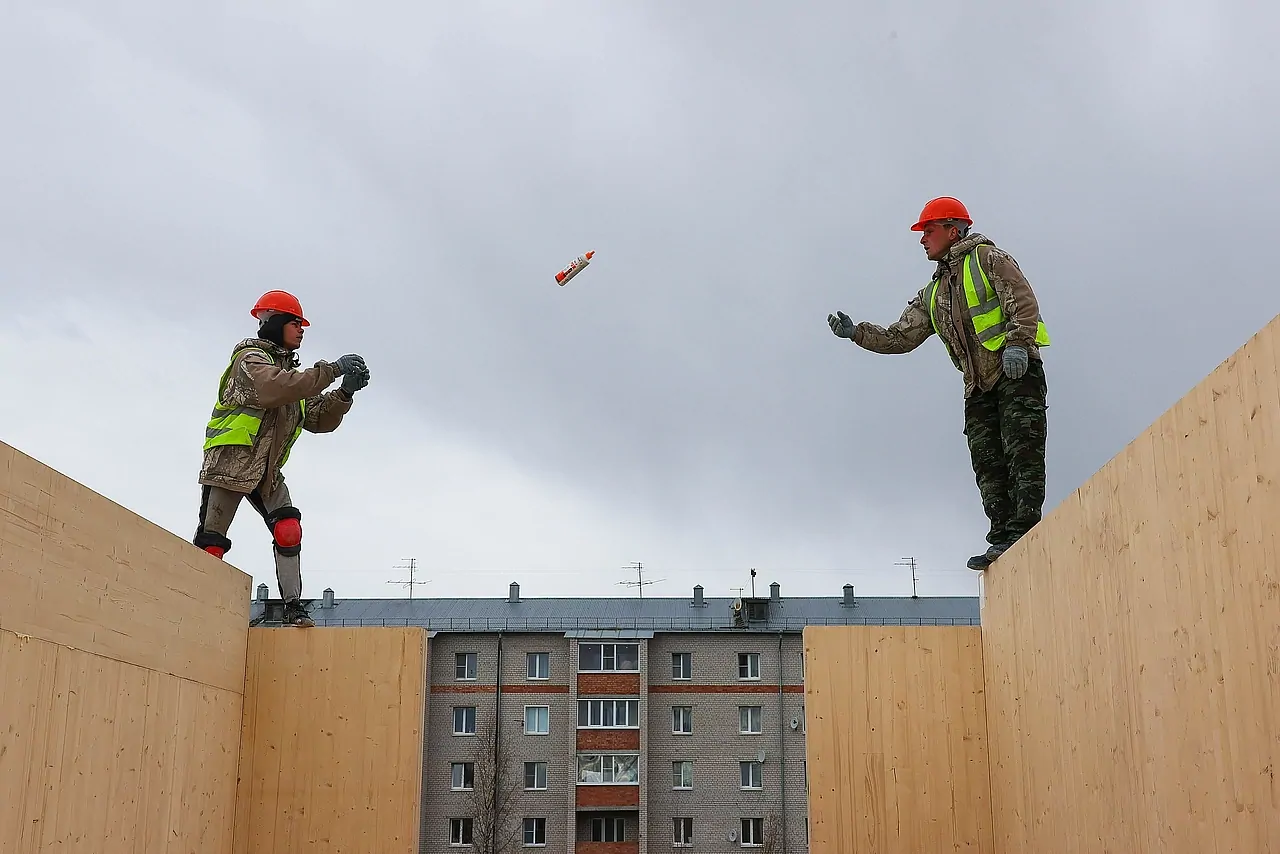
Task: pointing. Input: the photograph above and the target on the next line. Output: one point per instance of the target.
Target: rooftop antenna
(753, 582)
(412, 567)
(911, 562)
(739, 589)
(639, 582)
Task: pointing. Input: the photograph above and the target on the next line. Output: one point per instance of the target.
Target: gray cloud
(417, 174)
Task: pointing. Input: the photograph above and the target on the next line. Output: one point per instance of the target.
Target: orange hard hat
(278, 301)
(943, 207)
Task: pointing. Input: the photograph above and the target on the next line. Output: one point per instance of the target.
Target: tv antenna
(639, 582)
(911, 562)
(412, 567)
(753, 582)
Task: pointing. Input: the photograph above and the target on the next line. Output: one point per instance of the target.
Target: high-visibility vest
(985, 310)
(239, 425)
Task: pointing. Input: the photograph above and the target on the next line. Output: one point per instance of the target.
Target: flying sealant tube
(576, 266)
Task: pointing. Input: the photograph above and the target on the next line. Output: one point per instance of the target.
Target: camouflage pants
(1006, 428)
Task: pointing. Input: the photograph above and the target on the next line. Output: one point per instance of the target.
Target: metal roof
(603, 615)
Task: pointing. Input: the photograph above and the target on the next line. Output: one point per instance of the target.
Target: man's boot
(295, 614)
(984, 560)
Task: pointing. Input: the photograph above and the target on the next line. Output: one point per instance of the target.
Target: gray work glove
(349, 364)
(841, 325)
(354, 381)
(1015, 361)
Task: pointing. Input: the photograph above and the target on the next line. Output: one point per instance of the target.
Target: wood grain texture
(81, 571)
(1132, 639)
(101, 756)
(896, 741)
(331, 747)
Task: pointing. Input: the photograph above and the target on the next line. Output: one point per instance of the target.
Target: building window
(464, 776)
(749, 720)
(464, 720)
(682, 774)
(611, 829)
(609, 714)
(748, 665)
(683, 831)
(535, 831)
(608, 768)
(537, 720)
(459, 831)
(752, 832)
(535, 776)
(681, 665)
(615, 657)
(752, 774)
(538, 665)
(681, 720)
(465, 665)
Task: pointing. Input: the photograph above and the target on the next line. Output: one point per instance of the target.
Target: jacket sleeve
(267, 386)
(325, 411)
(1021, 309)
(910, 331)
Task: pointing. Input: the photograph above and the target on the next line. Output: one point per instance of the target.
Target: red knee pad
(216, 551)
(287, 533)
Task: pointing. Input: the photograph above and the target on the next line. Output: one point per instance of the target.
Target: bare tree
(491, 801)
(772, 843)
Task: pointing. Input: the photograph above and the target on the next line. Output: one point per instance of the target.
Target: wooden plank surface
(1132, 640)
(896, 740)
(101, 756)
(331, 747)
(78, 570)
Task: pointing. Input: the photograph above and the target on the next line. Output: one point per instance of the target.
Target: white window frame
(745, 662)
(546, 715)
(676, 715)
(467, 661)
(609, 764)
(537, 823)
(464, 731)
(678, 767)
(752, 823)
(460, 825)
(529, 669)
(619, 824)
(597, 704)
(612, 655)
(678, 823)
(750, 771)
(454, 768)
(536, 765)
(677, 669)
(744, 726)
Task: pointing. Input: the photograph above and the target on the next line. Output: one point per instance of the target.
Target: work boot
(295, 614)
(984, 560)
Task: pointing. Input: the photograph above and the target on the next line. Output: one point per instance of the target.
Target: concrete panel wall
(896, 740)
(331, 751)
(121, 676)
(1132, 640)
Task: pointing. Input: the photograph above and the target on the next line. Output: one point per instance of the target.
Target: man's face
(937, 239)
(292, 334)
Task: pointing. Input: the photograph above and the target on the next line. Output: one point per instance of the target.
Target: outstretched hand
(841, 325)
(349, 364)
(354, 381)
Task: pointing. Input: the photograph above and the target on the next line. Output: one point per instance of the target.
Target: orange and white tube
(576, 266)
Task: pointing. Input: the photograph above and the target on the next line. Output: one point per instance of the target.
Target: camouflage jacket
(981, 367)
(276, 386)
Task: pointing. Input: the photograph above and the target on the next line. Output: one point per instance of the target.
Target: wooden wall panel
(332, 742)
(1132, 639)
(101, 756)
(896, 741)
(81, 571)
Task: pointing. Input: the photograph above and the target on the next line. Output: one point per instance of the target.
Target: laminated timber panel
(81, 571)
(896, 740)
(331, 750)
(1132, 639)
(101, 756)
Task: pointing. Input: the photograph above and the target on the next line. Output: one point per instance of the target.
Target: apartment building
(622, 725)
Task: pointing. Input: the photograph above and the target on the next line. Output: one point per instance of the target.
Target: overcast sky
(417, 172)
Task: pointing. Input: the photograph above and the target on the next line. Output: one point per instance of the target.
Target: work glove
(354, 381)
(349, 364)
(841, 325)
(1015, 361)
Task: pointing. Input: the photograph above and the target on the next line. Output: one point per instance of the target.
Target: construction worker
(987, 317)
(264, 403)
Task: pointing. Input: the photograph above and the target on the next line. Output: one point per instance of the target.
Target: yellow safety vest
(985, 310)
(239, 425)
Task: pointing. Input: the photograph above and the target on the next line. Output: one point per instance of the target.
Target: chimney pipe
(263, 592)
(328, 597)
(697, 597)
(514, 595)
(848, 597)
(775, 591)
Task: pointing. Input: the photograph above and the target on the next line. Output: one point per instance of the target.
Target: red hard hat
(944, 207)
(278, 301)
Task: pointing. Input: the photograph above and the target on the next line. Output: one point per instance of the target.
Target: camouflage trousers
(1006, 428)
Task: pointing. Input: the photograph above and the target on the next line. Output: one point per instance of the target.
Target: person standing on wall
(263, 404)
(983, 309)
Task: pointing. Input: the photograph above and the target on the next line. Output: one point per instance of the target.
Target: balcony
(605, 797)
(608, 847)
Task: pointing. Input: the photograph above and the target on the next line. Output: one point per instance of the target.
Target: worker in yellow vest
(263, 404)
(982, 308)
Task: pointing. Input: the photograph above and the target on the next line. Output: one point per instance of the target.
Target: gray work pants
(218, 508)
